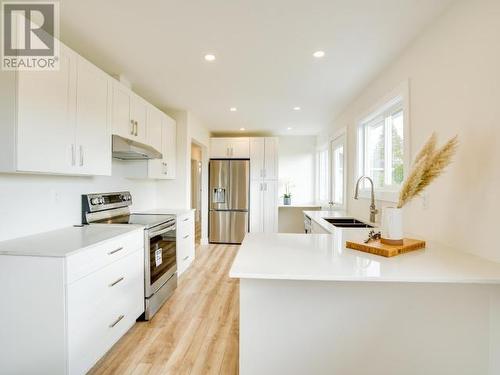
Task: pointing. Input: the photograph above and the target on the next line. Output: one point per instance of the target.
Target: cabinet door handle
(186, 219)
(81, 156)
(186, 257)
(265, 186)
(116, 321)
(116, 282)
(132, 127)
(186, 236)
(261, 188)
(73, 156)
(136, 128)
(115, 251)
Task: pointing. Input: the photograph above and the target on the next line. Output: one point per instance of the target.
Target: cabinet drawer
(90, 260)
(185, 225)
(102, 307)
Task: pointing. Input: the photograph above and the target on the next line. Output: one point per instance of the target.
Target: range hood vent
(126, 149)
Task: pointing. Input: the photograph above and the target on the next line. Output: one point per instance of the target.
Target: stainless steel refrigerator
(229, 200)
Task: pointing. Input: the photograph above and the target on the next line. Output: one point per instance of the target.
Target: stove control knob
(95, 201)
(101, 200)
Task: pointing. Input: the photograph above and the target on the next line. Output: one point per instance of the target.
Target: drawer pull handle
(116, 321)
(186, 219)
(116, 282)
(115, 251)
(186, 236)
(186, 257)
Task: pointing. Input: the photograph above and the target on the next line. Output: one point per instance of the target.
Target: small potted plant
(287, 196)
(429, 163)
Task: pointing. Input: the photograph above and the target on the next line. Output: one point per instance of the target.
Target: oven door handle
(161, 231)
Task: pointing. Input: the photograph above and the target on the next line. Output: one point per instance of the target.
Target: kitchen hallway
(195, 332)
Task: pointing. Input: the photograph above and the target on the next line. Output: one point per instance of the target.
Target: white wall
(32, 204)
(454, 75)
(35, 203)
(296, 164)
(177, 193)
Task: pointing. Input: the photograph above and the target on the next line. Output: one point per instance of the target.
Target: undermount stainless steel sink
(346, 222)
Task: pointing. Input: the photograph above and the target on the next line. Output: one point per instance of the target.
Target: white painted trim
(341, 133)
(204, 241)
(402, 91)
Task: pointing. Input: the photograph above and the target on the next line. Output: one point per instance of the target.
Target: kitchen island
(433, 311)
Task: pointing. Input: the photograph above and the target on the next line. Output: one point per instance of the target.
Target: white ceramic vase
(392, 226)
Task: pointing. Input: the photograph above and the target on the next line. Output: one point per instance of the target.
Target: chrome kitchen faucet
(373, 209)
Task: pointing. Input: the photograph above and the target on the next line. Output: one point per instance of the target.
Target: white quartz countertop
(167, 211)
(300, 205)
(64, 242)
(323, 257)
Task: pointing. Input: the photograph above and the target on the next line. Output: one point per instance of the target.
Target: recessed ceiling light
(296, 108)
(233, 109)
(319, 54)
(289, 128)
(242, 129)
(210, 57)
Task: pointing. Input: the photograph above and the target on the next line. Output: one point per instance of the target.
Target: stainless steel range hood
(126, 149)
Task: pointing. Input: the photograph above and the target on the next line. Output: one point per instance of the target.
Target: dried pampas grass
(428, 165)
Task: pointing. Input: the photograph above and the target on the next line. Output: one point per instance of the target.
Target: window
(382, 148)
(322, 175)
(338, 172)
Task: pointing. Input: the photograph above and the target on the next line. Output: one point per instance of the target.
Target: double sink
(348, 223)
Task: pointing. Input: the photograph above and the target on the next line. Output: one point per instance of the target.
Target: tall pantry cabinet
(264, 184)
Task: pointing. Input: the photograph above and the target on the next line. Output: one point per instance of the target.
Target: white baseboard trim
(204, 241)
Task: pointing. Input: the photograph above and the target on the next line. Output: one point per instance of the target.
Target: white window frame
(319, 149)
(342, 137)
(400, 93)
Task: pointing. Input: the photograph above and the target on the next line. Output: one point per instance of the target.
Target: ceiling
(264, 65)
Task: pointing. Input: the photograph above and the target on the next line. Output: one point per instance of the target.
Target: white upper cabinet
(271, 158)
(256, 158)
(45, 118)
(130, 114)
(139, 114)
(230, 148)
(264, 158)
(170, 146)
(93, 125)
(165, 168)
(58, 122)
(154, 132)
(123, 124)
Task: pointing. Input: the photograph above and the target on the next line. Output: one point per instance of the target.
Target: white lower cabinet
(101, 308)
(263, 206)
(316, 228)
(69, 311)
(185, 241)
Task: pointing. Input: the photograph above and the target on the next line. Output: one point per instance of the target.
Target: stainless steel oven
(160, 248)
(160, 269)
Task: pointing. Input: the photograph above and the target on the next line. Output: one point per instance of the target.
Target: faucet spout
(373, 209)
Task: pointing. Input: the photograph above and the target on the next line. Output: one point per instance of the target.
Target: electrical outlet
(56, 196)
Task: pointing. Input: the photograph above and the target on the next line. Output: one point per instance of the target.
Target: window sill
(380, 195)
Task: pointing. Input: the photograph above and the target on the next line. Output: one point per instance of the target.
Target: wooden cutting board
(377, 248)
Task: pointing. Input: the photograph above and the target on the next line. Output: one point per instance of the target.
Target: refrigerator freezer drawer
(228, 226)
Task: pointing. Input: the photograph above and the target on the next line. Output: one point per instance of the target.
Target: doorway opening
(196, 188)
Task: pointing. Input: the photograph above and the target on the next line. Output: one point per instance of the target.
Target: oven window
(162, 255)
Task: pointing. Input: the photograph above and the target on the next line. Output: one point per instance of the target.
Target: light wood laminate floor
(195, 332)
